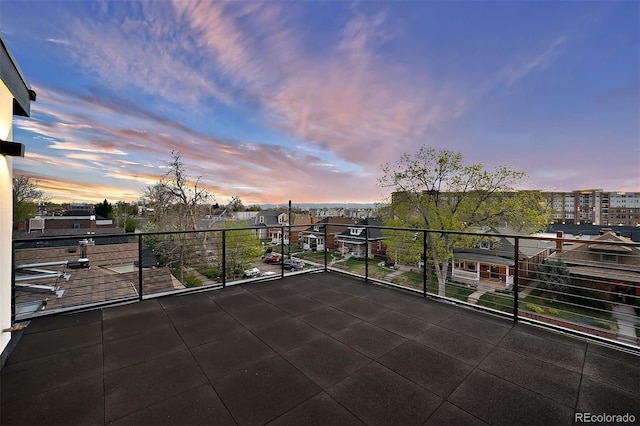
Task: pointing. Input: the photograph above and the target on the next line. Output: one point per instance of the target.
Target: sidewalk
(626, 317)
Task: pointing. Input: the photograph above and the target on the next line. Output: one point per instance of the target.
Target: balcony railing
(589, 287)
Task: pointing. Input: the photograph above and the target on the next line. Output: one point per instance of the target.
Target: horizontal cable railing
(584, 286)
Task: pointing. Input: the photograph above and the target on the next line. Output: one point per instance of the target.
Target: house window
(379, 246)
(261, 219)
(470, 266)
(485, 245)
(316, 228)
(608, 257)
(355, 231)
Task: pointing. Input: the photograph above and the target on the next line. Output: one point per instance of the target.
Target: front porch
(313, 242)
(492, 274)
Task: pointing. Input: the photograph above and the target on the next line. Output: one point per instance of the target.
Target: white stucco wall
(6, 216)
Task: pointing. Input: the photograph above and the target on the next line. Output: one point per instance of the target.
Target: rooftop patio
(321, 348)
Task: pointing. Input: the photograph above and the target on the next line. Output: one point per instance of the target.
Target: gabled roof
(372, 233)
(270, 217)
(585, 259)
(336, 225)
(504, 248)
(589, 252)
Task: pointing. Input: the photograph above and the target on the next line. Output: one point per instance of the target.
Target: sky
(306, 100)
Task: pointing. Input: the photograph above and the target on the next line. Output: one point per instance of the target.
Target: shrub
(553, 312)
(535, 308)
(192, 280)
(130, 224)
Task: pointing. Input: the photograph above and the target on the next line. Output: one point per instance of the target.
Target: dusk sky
(304, 101)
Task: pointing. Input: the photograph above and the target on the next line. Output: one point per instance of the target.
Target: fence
(585, 286)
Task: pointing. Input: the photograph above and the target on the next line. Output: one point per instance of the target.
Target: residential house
(268, 222)
(299, 222)
(313, 238)
(607, 262)
(491, 261)
(363, 239)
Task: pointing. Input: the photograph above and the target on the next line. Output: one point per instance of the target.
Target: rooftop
(320, 348)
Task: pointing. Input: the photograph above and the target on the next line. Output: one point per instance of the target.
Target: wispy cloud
(525, 64)
(100, 152)
(347, 101)
(263, 102)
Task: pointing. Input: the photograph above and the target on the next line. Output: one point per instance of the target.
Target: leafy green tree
(241, 246)
(25, 198)
(554, 276)
(435, 190)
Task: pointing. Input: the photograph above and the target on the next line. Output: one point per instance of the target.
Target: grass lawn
(357, 266)
(409, 280)
(539, 302)
(414, 280)
(312, 255)
(497, 301)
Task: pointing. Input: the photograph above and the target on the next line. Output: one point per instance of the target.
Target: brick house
(354, 240)
(313, 238)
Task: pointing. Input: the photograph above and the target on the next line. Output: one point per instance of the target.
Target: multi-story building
(595, 207)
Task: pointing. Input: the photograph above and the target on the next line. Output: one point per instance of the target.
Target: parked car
(273, 258)
(293, 264)
(251, 273)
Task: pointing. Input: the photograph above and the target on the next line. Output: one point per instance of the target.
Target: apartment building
(595, 206)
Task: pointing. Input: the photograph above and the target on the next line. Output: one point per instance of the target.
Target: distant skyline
(272, 101)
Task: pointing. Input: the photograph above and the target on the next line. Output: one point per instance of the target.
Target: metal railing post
(424, 263)
(13, 283)
(366, 254)
(516, 273)
(140, 286)
(282, 251)
(224, 258)
(325, 247)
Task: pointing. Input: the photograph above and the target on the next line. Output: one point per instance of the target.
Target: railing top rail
(502, 235)
(382, 227)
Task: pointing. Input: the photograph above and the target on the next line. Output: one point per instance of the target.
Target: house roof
(585, 252)
(336, 225)
(270, 217)
(484, 258)
(505, 247)
(585, 259)
(372, 233)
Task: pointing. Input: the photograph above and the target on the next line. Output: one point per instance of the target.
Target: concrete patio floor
(318, 348)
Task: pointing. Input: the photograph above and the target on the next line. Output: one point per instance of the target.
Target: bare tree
(175, 200)
(25, 198)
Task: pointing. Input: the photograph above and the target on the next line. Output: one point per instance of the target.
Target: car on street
(293, 264)
(273, 258)
(251, 273)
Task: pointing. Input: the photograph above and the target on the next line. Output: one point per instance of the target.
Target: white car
(252, 273)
